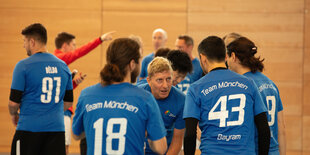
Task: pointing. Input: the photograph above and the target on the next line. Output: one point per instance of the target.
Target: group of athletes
(168, 103)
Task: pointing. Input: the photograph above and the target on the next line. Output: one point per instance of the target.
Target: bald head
(159, 38)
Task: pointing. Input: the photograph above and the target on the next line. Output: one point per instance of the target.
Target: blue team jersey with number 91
(225, 104)
(115, 118)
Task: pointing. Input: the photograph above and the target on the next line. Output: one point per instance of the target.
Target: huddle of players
(117, 117)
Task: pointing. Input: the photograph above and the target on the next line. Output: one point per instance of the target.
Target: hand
(107, 36)
(79, 79)
(15, 119)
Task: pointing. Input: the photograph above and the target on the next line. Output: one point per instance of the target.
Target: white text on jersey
(51, 70)
(112, 105)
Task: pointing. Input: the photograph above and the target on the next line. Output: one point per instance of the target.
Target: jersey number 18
(98, 126)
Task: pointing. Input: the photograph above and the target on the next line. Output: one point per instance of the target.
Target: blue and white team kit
(115, 118)
(41, 111)
(171, 109)
(225, 104)
(191, 78)
(272, 100)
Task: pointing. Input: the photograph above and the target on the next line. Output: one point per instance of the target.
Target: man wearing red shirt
(66, 50)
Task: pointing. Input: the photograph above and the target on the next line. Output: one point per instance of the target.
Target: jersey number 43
(223, 114)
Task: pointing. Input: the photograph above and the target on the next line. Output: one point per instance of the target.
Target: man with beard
(170, 101)
(40, 92)
(114, 115)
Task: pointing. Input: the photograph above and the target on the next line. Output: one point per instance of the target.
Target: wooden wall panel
(145, 5)
(307, 61)
(55, 4)
(293, 133)
(143, 24)
(250, 6)
(306, 133)
(306, 75)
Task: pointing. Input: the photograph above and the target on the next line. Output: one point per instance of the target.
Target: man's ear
(233, 56)
(32, 42)
(148, 79)
(132, 65)
(203, 58)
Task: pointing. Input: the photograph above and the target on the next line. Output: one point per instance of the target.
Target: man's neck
(216, 65)
(39, 50)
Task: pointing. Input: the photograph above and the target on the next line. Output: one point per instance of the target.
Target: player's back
(116, 117)
(272, 100)
(46, 79)
(145, 62)
(225, 105)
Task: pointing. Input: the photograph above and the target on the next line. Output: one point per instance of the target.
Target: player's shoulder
(177, 92)
(149, 57)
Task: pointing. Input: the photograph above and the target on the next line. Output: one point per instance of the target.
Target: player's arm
(78, 137)
(68, 99)
(281, 134)
(263, 133)
(14, 104)
(198, 133)
(158, 146)
(190, 136)
(176, 143)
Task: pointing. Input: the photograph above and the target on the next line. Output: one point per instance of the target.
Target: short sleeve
(155, 125)
(192, 106)
(77, 124)
(259, 105)
(279, 102)
(18, 80)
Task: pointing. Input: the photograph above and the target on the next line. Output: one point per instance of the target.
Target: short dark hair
(245, 51)
(187, 39)
(180, 61)
(37, 31)
(162, 52)
(119, 54)
(214, 48)
(62, 38)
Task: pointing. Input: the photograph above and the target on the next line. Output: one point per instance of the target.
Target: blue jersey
(143, 81)
(272, 100)
(171, 109)
(225, 104)
(145, 62)
(191, 78)
(115, 118)
(43, 79)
